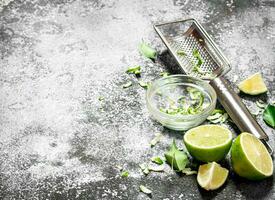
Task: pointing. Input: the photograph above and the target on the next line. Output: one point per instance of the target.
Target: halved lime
(253, 85)
(208, 143)
(250, 158)
(211, 176)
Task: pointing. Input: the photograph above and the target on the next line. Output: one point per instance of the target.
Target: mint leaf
(157, 160)
(124, 174)
(134, 70)
(269, 115)
(176, 158)
(147, 51)
(144, 84)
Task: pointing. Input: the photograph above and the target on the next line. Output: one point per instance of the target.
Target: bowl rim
(204, 84)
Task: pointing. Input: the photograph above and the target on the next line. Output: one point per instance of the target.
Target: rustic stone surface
(58, 141)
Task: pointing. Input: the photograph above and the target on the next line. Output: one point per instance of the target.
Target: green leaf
(157, 160)
(134, 70)
(144, 189)
(217, 111)
(126, 85)
(124, 174)
(269, 115)
(147, 51)
(176, 158)
(144, 84)
(156, 139)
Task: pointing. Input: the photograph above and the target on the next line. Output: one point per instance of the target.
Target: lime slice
(211, 176)
(250, 158)
(253, 85)
(208, 143)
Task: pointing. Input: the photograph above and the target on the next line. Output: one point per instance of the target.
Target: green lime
(211, 176)
(208, 143)
(250, 158)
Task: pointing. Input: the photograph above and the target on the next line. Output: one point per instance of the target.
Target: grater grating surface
(188, 37)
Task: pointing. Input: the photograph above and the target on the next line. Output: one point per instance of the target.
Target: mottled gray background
(58, 141)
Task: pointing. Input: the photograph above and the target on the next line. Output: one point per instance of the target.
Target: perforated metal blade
(186, 37)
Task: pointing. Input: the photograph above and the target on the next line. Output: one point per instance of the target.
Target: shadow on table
(253, 189)
(248, 189)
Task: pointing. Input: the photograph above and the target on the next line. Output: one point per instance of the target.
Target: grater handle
(236, 109)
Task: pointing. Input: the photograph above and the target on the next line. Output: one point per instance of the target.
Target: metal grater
(189, 36)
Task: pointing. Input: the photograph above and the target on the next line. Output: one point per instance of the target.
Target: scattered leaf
(134, 70)
(144, 84)
(144, 189)
(176, 158)
(147, 51)
(124, 174)
(157, 160)
(269, 115)
(217, 111)
(156, 139)
(126, 85)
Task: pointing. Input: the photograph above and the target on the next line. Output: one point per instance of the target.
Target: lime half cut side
(208, 143)
(250, 158)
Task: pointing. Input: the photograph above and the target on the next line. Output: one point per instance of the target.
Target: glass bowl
(168, 90)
